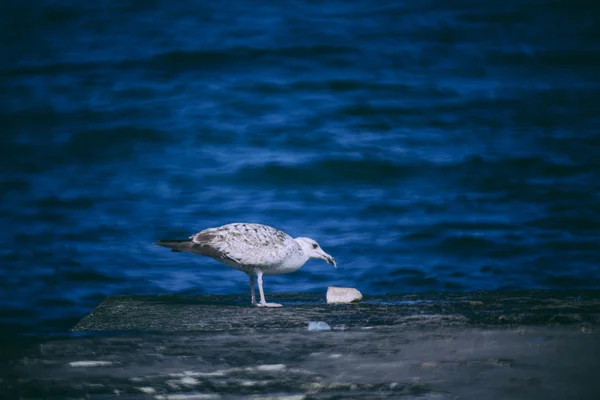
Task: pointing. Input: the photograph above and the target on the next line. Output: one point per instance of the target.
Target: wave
(180, 60)
(327, 171)
(112, 142)
(481, 174)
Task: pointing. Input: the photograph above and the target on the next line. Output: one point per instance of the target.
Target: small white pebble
(191, 396)
(318, 326)
(90, 363)
(188, 380)
(270, 367)
(200, 374)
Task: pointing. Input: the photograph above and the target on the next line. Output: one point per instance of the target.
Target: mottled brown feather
(204, 244)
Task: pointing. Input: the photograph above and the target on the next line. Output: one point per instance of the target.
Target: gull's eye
(315, 246)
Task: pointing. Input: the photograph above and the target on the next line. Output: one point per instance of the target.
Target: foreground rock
(339, 295)
(529, 345)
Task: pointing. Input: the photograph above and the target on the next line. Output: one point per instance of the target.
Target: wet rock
(394, 346)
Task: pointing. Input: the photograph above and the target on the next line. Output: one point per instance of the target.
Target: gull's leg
(263, 302)
(252, 289)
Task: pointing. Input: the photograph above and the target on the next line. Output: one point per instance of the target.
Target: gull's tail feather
(176, 245)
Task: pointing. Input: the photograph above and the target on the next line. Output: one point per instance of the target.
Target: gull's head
(313, 250)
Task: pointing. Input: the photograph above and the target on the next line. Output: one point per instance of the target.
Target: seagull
(254, 249)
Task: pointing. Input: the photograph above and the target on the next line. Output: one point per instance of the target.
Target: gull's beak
(328, 259)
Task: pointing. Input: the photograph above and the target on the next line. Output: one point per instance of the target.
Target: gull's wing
(244, 244)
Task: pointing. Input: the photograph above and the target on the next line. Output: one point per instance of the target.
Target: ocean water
(427, 145)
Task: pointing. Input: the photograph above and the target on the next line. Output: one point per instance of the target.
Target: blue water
(427, 145)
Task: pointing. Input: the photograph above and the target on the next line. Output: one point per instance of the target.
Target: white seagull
(253, 249)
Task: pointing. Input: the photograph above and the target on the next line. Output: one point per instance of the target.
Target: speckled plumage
(253, 249)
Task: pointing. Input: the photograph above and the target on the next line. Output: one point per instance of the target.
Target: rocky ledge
(525, 345)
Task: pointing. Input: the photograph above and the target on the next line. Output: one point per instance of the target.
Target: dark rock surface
(171, 313)
(527, 345)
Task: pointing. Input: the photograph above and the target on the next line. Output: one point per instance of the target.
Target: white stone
(200, 374)
(284, 397)
(191, 396)
(318, 326)
(339, 295)
(91, 363)
(188, 380)
(271, 367)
